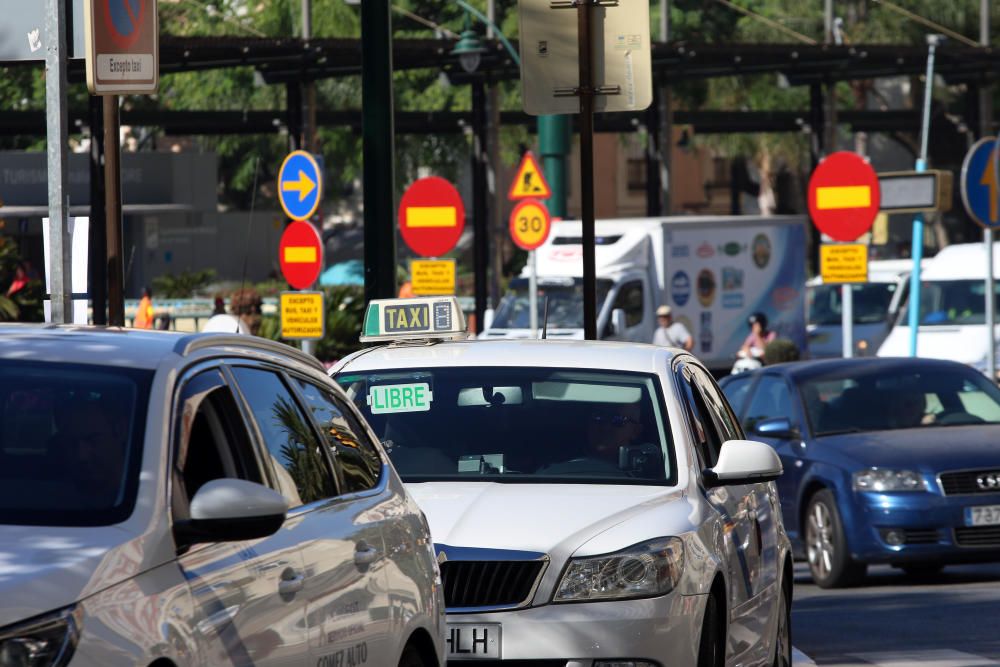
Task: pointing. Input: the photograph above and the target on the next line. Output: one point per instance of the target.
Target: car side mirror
(777, 427)
(618, 322)
(744, 462)
(231, 510)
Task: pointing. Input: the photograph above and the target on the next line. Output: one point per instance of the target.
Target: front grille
(487, 583)
(920, 536)
(966, 482)
(981, 536)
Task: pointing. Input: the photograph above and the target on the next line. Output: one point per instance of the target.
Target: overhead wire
(957, 36)
(769, 22)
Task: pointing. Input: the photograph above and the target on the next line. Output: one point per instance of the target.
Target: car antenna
(545, 317)
(246, 252)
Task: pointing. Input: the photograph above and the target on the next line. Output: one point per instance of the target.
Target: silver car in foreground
(176, 500)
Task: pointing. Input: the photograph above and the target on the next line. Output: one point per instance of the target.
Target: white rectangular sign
(79, 232)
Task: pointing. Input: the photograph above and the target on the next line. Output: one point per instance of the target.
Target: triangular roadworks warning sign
(529, 183)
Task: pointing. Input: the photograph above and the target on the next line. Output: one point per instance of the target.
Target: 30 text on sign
(843, 263)
(302, 315)
(432, 277)
(530, 224)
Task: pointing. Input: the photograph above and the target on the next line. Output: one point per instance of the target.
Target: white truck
(712, 271)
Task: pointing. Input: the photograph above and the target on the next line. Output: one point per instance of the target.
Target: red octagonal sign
(431, 216)
(844, 196)
(301, 254)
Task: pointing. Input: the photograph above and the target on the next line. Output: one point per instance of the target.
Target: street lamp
(469, 49)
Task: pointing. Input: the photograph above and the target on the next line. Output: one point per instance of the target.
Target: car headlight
(880, 479)
(47, 641)
(642, 570)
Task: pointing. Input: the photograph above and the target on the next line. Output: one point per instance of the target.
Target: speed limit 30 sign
(530, 224)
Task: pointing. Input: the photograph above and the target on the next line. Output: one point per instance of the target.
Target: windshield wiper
(839, 432)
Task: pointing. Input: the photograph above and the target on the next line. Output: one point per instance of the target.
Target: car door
(759, 505)
(247, 609)
(338, 525)
(773, 398)
(631, 299)
(734, 505)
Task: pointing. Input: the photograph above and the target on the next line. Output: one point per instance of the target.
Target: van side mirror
(618, 322)
(231, 510)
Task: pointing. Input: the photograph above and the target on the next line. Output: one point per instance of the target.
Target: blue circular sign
(300, 185)
(125, 15)
(680, 288)
(980, 183)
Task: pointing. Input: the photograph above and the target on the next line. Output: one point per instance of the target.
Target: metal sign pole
(56, 116)
(113, 210)
(586, 92)
(533, 293)
(847, 318)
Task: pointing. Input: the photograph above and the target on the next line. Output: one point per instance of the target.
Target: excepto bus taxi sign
(302, 315)
(411, 319)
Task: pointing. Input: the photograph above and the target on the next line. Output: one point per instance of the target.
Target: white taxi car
(591, 504)
(175, 500)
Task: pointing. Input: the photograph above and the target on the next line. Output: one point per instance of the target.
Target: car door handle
(365, 556)
(291, 582)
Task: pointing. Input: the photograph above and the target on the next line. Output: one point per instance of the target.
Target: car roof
(131, 348)
(601, 355)
(805, 370)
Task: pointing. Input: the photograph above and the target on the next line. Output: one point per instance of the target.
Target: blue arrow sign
(300, 185)
(980, 184)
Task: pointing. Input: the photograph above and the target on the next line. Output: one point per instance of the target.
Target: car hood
(43, 569)
(545, 518)
(930, 449)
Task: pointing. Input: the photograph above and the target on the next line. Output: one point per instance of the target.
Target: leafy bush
(182, 286)
(780, 350)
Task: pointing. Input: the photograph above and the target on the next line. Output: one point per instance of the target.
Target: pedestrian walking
(670, 333)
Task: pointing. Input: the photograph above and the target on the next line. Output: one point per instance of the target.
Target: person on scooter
(759, 337)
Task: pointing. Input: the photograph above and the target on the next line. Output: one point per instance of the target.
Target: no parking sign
(123, 46)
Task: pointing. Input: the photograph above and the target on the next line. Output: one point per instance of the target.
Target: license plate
(469, 641)
(986, 515)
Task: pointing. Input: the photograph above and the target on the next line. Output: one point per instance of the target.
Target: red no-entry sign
(844, 196)
(301, 254)
(431, 216)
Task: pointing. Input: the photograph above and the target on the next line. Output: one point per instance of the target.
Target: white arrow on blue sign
(300, 185)
(980, 185)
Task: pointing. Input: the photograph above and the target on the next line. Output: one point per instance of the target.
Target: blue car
(886, 461)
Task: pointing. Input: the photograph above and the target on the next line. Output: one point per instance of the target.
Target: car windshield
(883, 399)
(870, 303)
(518, 424)
(951, 302)
(565, 304)
(70, 442)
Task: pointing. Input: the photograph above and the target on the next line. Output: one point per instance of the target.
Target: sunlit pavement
(948, 620)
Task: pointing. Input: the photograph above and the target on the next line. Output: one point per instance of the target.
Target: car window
(518, 424)
(715, 400)
(736, 390)
(359, 461)
(70, 442)
(212, 440)
(630, 300)
(771, 399)
(703, 430)
(298, 460)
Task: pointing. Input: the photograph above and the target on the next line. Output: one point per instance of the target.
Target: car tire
(783, 631)
(711, 651)
(411, 657)
(922, 570)
(830, 562)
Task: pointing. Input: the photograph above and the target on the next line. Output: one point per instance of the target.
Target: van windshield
(953, 302)
(517, 425)
(870, 303)
(565, 304)
(70, 443)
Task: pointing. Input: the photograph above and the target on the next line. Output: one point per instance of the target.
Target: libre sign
(431, 216)
(123, 46)
(300, 254)
(844, 196)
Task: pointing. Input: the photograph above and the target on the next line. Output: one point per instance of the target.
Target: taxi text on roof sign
(412, 319)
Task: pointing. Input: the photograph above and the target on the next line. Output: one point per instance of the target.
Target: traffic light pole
(379, 158)
(586, 92)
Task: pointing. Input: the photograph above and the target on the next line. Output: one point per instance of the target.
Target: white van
(952, 308)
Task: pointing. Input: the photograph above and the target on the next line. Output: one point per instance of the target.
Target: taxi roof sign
(413, 319)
